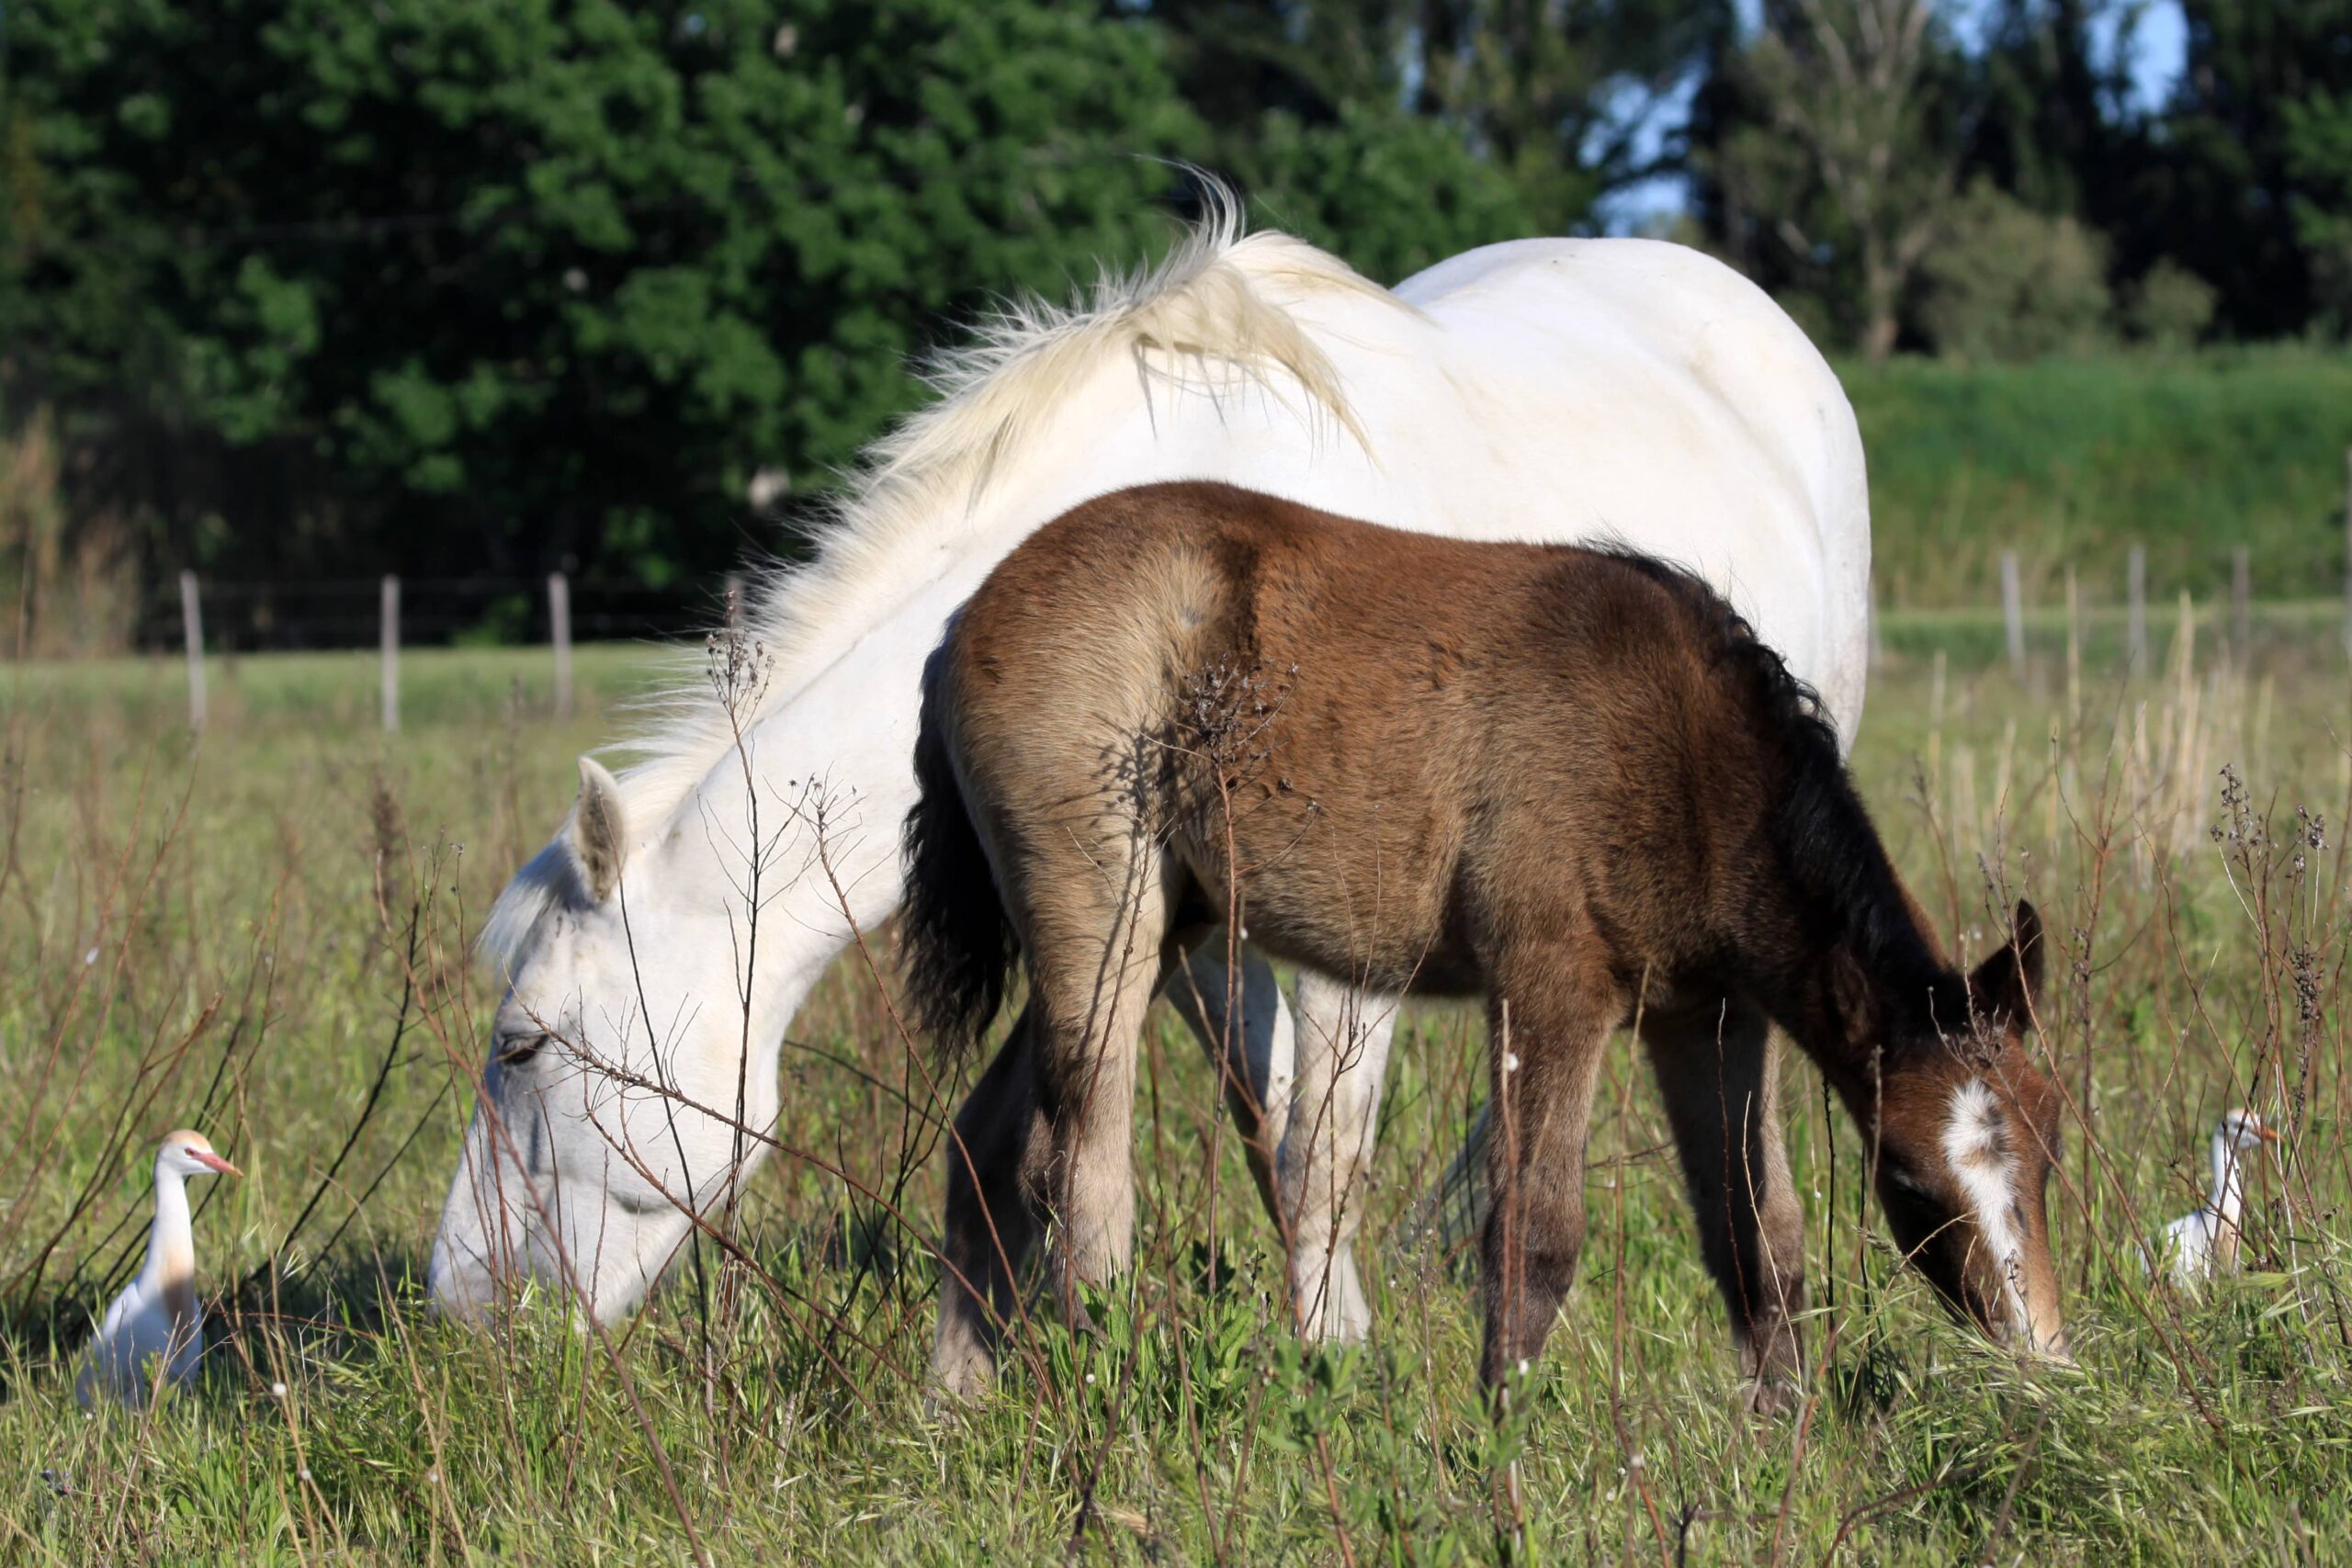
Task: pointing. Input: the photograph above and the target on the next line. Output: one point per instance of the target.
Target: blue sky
(2159, 48)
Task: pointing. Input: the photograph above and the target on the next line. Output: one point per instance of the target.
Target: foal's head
(1966, 1130)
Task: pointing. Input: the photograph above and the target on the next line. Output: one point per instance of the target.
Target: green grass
(217, 934)
(2073, 462)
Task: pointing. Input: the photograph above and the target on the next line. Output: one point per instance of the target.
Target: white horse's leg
(1256, 1062)
(1343, 1036)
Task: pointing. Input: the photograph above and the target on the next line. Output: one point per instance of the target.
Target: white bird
(156, 1315)
(2195, 1246)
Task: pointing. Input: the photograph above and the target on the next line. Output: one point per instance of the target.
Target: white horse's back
(1698, 419)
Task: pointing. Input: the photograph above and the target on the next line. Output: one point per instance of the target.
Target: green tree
(1828, 149)
(2055, 127)
(2257, 178)
(1559, 91)
(549, 279)
(2009, 283)
(1552, 94)
(1392, 193)
(2319, 161)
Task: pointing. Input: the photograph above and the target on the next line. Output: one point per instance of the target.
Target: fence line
(390, 615)
(192, 626)
(249, 614)
(2013, 611)
(562, 622)
(2242, 598)
(2137, 576)
(388, 644)
(559, 629)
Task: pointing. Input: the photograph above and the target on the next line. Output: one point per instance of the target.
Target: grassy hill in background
(2072, 462)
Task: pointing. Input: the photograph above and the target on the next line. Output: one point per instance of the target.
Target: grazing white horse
(1607, 389)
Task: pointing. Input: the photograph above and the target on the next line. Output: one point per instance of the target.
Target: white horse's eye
(514, 1050)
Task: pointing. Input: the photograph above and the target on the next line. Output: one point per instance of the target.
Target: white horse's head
(627, 1051)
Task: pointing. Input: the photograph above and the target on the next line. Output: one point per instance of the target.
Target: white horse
(1594, 388)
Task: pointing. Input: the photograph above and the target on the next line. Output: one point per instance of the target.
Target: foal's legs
(1344, 1036)
(996, 1190)
(1719, 1075)
(1094, 962)
(1044, 1139)
(1546, 1030)
(998, 1187)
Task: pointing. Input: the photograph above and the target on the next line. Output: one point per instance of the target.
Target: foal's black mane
(1823, 831)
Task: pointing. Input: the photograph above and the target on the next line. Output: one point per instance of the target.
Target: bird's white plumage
(2200, 1244)
(156, 1327)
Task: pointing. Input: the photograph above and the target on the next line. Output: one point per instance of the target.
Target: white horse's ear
(597, 833)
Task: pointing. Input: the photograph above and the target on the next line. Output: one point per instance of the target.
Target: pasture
(265, 936)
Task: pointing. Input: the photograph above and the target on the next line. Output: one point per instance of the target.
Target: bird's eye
(514, 1050)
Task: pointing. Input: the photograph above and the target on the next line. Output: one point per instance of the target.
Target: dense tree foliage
(2257, 187)
(1833, 144)
(1551, 97)
(507, 286)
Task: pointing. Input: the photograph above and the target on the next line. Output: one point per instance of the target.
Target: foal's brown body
(1555, 777)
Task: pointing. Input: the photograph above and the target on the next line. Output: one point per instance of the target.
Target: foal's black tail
(960, 946)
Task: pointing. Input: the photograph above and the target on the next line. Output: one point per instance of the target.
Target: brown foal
(1570, 780)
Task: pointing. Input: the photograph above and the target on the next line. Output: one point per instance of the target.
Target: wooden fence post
(2074, 653)
(2013, 611)
(2136, 628)
(192, 623)
(391, 653)
(559, 631)
(2241, 599)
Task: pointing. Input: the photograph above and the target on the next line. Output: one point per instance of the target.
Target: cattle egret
(156, 1315)
(2195, 1245)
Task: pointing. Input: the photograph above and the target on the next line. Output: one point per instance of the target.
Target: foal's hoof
(958, 1377)
(1770, 1397)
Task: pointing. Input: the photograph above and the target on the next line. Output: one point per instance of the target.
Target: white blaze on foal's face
(1968, 1133)
(1976, 1147)
(1963, 1179)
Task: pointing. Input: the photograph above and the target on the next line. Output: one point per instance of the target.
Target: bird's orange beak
(2268, 1136)
(214, 1162)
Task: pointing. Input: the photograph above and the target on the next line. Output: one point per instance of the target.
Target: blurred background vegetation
(305, 290)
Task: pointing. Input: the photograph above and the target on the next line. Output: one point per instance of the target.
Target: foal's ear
(2008, 986)
(597, 833)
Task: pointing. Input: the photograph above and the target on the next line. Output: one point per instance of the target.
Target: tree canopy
(546, 281)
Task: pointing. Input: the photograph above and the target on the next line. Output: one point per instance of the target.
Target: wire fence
(266, 617)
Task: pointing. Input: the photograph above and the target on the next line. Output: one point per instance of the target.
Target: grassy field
(265, 936)
(2073, 462)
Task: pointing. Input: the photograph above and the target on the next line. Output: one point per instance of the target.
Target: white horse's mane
(1217, 303)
